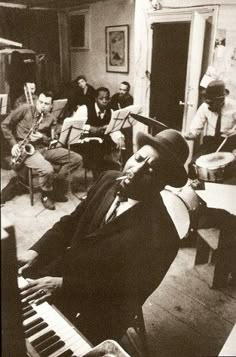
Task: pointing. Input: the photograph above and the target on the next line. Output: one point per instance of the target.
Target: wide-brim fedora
(215, 90)
(174, 150)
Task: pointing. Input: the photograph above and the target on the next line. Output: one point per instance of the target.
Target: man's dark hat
(171, 144)
(216, 89)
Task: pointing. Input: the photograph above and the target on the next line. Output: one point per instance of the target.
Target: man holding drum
(216, 117)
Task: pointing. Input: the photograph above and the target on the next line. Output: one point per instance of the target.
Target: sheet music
(76, 125)
(121, 119)
(57, 106)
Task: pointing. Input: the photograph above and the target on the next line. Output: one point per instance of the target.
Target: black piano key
(27, 308)
(24, 303)
(36, 329)
(33, 323)
(29, 314)
(50, 341)
(67, 353)
(42, 338)
(56, 346)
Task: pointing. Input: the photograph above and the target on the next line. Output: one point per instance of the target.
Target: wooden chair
(27, 179)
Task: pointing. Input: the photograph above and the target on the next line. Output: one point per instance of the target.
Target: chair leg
(140, 346)
(31, 186)
(142, 330)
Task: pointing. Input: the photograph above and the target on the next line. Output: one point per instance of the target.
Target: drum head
(215, 160)
(178, 212)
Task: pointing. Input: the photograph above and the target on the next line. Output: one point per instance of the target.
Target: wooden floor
(183, 317)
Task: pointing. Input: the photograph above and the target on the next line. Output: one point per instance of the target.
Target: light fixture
(156, 5)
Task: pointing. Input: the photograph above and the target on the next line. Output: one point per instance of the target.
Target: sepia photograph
(118, 178)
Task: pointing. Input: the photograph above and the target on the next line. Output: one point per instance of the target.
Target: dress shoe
(47, 201)
(59, 197)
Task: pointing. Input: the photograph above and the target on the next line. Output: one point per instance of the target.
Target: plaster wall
(92, 62)
(226, 61)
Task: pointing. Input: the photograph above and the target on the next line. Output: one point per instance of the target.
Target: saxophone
(26, 149)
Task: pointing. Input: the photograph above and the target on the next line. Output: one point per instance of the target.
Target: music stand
(65, 140)
(58, 106)
(152, 123)
(121, 118)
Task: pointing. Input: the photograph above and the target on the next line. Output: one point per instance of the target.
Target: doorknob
(183, 103)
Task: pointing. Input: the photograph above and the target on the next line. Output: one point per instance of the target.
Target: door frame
(178, 15)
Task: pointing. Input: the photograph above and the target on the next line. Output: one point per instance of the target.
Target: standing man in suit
(102, 262)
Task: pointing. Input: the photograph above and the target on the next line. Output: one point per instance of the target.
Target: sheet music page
(76, 125)
(121, 119)
(57, 106)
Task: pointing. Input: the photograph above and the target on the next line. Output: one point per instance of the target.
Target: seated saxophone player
(33, 124)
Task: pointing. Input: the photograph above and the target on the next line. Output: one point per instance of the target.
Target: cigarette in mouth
(121, 178)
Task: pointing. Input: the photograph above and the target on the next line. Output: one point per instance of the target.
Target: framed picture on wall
(117, 48)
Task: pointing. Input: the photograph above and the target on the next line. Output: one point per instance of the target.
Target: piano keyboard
(48, 333)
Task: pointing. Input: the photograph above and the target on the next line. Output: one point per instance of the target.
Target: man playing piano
(101, 262)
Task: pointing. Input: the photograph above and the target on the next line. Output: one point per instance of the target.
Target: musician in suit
(216, 117)
(120, 100)
(123, 98)
(102, 262)
(101, 153)
(16, 127)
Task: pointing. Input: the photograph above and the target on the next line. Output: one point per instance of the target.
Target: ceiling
(44, 4)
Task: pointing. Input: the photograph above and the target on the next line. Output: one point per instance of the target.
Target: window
(79, 29)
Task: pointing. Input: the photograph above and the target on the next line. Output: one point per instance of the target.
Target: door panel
(168, 73)
(195, 54)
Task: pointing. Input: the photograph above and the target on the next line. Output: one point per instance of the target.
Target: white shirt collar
(98, 111)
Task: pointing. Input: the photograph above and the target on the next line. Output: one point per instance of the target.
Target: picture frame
(117, 48)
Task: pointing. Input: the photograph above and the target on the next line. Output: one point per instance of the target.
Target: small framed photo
(117, 48)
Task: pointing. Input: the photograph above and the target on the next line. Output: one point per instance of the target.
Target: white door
(195, 54)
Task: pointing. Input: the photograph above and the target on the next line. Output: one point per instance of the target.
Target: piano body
(29, 329)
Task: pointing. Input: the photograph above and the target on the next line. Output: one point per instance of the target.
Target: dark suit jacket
(109, 269)
(93, 118)
(118, 102)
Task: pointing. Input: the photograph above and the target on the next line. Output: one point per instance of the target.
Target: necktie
(113, 214)
(218, 125)
(101, 115)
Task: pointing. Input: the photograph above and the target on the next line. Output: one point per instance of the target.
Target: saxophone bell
(29, 149)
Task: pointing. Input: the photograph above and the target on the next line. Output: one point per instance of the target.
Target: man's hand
(27, 260)
(94, 130)
(189, 136)
(15, 151)
(36, 136)
(40, 290)
(231, 132)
